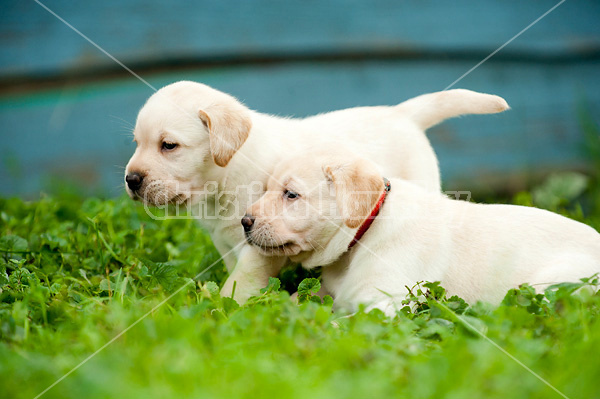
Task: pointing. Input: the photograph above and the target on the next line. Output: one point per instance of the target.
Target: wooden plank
(146, 32)
(80, 132)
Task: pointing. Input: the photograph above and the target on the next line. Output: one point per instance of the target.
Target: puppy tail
(428, 110)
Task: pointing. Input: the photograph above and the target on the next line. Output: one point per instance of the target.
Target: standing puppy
(199, 147)
(375, 237)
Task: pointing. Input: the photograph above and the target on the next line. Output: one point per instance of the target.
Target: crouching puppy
(375, 237)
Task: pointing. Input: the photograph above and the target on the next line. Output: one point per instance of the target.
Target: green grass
(76, 273)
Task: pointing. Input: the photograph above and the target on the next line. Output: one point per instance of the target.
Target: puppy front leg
(229, 257)
(251, 273)
(387, 300)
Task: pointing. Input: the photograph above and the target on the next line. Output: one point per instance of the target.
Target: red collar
(368, 221)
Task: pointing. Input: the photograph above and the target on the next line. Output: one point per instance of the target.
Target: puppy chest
(334, 276)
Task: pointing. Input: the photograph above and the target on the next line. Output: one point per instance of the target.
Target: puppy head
(308, 202)
(185, 134)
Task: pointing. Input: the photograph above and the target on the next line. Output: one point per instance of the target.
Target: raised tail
(428, 110)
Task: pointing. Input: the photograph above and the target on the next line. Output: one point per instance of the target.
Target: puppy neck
(254, 161)
(362, 229)
(330, 252)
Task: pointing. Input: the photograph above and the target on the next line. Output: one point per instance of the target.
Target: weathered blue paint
(149, 31)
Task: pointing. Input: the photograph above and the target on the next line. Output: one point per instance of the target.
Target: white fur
(477, 251)
(222, 141)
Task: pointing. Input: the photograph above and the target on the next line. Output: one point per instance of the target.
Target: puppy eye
(168, 146)
(291, 195)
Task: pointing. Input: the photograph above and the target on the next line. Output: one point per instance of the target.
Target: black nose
(248, 222)
(134, 181)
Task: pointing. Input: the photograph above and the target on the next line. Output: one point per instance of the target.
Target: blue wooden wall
(66, 109)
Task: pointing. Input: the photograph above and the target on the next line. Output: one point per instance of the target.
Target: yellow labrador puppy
(199, 147)
(376, 237)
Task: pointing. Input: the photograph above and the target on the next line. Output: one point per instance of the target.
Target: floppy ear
(358, 186)
(228, 126)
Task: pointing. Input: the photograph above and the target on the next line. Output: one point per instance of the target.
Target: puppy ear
(358, 186)
(228, 126)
